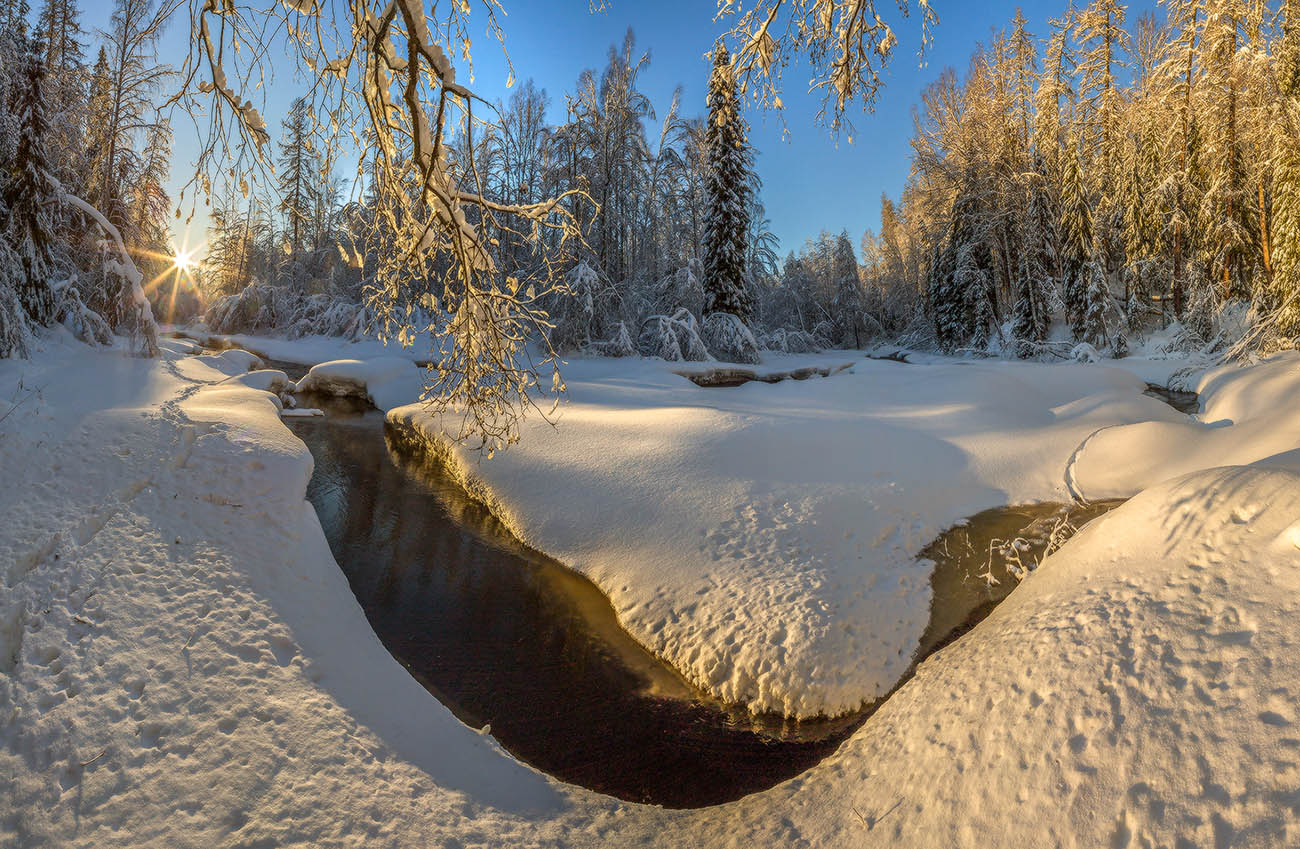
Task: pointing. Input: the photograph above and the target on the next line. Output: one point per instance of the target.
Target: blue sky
(812, 182)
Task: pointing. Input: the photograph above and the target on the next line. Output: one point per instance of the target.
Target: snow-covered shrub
(728, 339)
(86, 324)
(786, 341)
(581, 307)
(618, 345)
(1085, 353)
(673, 338)
(680, 289)
(15, 332)
(260, 307)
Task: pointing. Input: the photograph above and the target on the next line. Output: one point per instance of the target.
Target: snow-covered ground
(763, 538)
(182, 663)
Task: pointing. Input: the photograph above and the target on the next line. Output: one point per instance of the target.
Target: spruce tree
(297, 175)
(1076, 235)
(27, 186)
(726, 188)
(1091, 327)
(941, 295)
(960, 284)
(848, 302)
(1031, 316)
(1283, 294)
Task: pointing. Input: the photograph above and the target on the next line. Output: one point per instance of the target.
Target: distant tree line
(1112, 176)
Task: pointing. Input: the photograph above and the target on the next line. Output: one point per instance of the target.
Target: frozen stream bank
(516, 643)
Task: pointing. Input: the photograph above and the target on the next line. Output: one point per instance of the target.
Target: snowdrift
(1248, 414)
(183, 664)
(762, 539)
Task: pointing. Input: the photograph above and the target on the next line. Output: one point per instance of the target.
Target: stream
(516, 644)
(508, 638)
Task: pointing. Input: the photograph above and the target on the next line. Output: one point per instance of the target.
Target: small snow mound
(1085, 353)
(385, 382)
(267, 380)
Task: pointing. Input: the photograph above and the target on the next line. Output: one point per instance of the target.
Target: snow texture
(384, 381)
(183, 664)
(1247, 415)
(762, 538)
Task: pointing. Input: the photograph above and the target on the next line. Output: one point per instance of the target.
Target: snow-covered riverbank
(182, 663)
(763, 538)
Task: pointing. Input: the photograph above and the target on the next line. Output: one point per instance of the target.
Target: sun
(183, 261)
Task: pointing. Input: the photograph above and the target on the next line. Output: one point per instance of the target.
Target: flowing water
(512, 641)
(1183, 402)
(508, 638)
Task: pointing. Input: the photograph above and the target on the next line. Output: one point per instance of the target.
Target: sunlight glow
(183, 261)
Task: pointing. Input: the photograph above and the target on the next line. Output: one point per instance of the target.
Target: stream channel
(514, 642)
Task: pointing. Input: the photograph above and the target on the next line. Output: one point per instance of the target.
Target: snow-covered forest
(1090, 183)
(396, 455)
(1112, 174)
(81, 128)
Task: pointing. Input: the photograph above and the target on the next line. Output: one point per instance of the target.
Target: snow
(1247, 414)
(267, 380)
(383, 381)
(182, 663)
(311, 350)
(762, 539)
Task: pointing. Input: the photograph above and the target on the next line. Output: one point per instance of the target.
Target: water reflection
(504, 636)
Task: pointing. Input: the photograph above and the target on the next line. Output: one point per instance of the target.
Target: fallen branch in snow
(36, 391)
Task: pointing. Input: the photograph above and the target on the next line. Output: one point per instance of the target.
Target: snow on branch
(125, 268)
(383, 72)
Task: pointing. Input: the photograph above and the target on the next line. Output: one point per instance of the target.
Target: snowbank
(762, 538)
(182, 663)
(383, 381)
(1247, 414)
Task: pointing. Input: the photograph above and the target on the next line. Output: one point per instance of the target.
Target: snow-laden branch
(430, 239)
(846, 43)
(125, 268)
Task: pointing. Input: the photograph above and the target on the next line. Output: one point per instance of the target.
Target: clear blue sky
(811, 181)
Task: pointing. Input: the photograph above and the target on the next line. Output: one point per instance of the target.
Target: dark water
(1183, 402)
(976, 563)
(503, 635)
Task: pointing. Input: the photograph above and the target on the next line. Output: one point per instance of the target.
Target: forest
(1086, 184)
(406, 447)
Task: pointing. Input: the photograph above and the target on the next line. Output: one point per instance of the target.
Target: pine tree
(298, 172)
(99, 105)
(1227, 205)
(1053, 86)
(1104, 43)
(27, 187)
(727, 193)
(13, 17)
(60, 27)
(1031, 316)
(1091, 327)
(1076, 235)
(1283, 294)
(961, 286)
(1284, 289)
(66, 92)
(848, 303)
